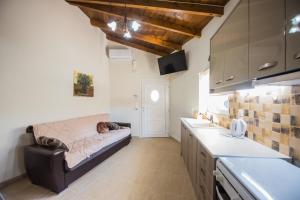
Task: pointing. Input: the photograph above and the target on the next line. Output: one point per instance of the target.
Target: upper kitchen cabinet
(237, 44)
(229, 50)
(267, 39)
(293, 34)
(217, 56)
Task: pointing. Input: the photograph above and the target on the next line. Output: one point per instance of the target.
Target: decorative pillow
(102, 127)
(52, 143)
(112, 126)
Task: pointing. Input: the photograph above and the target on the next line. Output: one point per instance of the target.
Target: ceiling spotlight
(294, 29)
(127, 35)
(296, 20)
(135, 26)
(112, 25)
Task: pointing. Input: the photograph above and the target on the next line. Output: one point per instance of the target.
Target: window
(203, 91)
(218, 104)
(154, 95)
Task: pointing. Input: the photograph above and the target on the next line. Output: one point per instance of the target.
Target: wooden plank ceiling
(165, 24)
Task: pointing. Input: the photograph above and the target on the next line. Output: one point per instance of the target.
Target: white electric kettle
(238, 128)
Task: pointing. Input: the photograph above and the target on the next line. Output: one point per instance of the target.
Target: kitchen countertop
(218, 144)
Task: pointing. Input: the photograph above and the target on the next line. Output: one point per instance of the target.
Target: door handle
(267, 65)
(219, 194)
(297, 56)
(219, 82)
(230, 78)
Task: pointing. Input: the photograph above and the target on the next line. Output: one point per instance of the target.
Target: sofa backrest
(71, 130)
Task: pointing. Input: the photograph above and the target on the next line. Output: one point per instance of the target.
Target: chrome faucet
(211, 118)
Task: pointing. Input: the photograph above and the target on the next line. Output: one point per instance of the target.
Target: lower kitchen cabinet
(200, 165)
(205, 179)
(192, 157)
(183, 143)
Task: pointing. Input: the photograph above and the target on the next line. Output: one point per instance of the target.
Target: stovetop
(266, 178)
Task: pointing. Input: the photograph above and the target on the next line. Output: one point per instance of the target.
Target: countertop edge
(215, 156)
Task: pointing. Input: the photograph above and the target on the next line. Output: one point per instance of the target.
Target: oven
(227, 187)
(224, 189)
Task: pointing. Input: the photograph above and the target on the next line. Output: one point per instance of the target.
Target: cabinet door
(190, 156)
(267, 40)
(182, 140)
(217, 55)
(194, 160)
(236, 35)
(293, 34)
(198, 173)
(216, 70)
(205, 168)
(185, 145)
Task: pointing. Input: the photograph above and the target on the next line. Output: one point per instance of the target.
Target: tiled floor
(147, 169)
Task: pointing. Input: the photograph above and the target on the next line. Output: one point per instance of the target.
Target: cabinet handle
(202, 189)
(297, 56)
(267, 65)
(202, 171)
(219, 82)
(230, 78)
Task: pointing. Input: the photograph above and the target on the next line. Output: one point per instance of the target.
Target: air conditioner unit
(122, 54)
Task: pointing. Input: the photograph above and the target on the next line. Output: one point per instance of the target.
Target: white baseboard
(176, 137)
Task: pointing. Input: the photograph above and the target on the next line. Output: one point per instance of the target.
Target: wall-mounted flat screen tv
(174, 62)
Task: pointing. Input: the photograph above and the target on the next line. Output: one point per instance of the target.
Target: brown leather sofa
(47, 167)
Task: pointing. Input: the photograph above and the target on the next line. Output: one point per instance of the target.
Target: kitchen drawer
(201, 156)
(206, 174)
(205, 169)
(203, 192)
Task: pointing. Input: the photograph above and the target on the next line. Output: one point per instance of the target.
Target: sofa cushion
(102, 127)
(69, 131)
(86, 147)
(52, 143)
(113, 126)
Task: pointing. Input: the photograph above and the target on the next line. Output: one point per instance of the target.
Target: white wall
(184, 86)
(126, 82)
(41, 43)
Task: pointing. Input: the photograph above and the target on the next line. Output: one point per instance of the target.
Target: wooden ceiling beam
(135, 45)
(138, 36)
(105, 9)
(188, 7)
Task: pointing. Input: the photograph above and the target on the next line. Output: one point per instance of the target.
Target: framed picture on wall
(83, 84)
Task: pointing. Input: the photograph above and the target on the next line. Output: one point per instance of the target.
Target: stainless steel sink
(203, 125)
(200, 124)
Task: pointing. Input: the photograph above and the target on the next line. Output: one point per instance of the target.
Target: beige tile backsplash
(273, 117)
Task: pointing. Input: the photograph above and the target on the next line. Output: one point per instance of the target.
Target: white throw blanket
(82, 149)
(80, 135)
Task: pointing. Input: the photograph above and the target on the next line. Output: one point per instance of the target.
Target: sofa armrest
(29, 130)
(124, 124)
(45, 167)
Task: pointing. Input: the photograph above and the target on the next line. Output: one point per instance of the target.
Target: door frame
(167, 105)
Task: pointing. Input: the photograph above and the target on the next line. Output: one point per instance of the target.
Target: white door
(155, 108)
